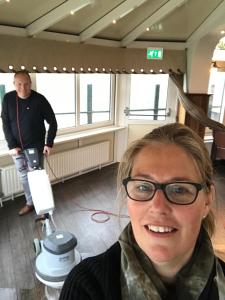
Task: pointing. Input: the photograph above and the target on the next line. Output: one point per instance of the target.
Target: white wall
(200, 47)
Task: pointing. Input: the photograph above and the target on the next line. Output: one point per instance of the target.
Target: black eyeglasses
(181, 193)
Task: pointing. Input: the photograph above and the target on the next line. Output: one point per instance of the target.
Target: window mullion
(77, 83)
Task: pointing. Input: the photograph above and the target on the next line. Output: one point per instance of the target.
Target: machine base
(55, 282)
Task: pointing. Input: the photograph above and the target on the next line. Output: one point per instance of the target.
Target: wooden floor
(96, 190)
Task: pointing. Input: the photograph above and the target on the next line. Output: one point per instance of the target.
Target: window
(6, 85)
(95, 98)
(217, 101)
(77, 100)
(148, 97)
(59, 89)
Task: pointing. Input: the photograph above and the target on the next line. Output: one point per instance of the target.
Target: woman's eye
(143, 188)
(180, 190)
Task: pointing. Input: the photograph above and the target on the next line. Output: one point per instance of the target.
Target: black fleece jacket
(23, 121)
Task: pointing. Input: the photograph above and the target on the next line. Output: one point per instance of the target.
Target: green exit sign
(155, 53)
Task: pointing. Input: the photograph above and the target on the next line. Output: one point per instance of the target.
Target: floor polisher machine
(55, 254)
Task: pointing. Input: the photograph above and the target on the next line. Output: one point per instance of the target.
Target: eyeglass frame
(162, 187)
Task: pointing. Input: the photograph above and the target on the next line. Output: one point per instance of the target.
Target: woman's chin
(161, 254)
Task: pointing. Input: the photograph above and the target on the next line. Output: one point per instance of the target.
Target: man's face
(22, 85)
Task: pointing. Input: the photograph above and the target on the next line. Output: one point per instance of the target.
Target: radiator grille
(9, 181)
(64, 164)
(70, 162)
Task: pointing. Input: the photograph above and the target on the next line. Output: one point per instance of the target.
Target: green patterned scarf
(140, 281)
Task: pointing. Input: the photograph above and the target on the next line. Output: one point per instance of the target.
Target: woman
(165, 252)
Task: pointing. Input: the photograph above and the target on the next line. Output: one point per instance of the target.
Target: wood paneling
(202, 101)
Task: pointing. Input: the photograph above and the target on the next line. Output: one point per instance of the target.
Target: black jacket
(23, 121)
(95, 278)
(98, 278)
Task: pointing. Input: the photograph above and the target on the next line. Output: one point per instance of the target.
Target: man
(24, 113)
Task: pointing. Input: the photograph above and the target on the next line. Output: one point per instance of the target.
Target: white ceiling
(170, 22)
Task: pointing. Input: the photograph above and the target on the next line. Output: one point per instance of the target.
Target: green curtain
(2, 92)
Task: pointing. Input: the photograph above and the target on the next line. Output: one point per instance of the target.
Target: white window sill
(70, 137)
(85, 134)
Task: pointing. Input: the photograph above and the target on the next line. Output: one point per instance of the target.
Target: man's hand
(15, 151)
(47, 150)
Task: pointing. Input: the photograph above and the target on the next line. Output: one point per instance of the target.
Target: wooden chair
(218, 146)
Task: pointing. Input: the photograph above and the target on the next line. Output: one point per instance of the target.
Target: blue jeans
(22, 167)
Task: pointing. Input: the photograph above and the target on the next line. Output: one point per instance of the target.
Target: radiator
(64, 165)
(70, 162)
(10, 183)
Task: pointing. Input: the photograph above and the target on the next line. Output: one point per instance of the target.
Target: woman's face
(167, 232)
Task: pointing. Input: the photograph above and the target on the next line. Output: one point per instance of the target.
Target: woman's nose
(159, 202)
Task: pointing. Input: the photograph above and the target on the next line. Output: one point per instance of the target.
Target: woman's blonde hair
(187, 139)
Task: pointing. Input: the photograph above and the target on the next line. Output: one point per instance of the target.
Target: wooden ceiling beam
(117, 13)
(56, 15)
(164, 10)
(212, 23)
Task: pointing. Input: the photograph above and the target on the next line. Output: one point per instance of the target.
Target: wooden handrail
(196, 112)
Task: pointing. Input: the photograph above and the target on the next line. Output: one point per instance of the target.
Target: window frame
(77, 109)
(171, 105)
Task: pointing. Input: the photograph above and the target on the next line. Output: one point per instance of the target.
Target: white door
(152, 102)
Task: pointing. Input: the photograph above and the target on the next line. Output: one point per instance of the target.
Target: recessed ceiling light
(114, 21)
(222, 31)
(147, 29)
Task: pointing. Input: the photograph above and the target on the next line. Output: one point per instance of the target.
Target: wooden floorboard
(93, 191)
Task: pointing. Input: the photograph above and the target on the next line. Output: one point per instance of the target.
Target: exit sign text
(155, 53)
